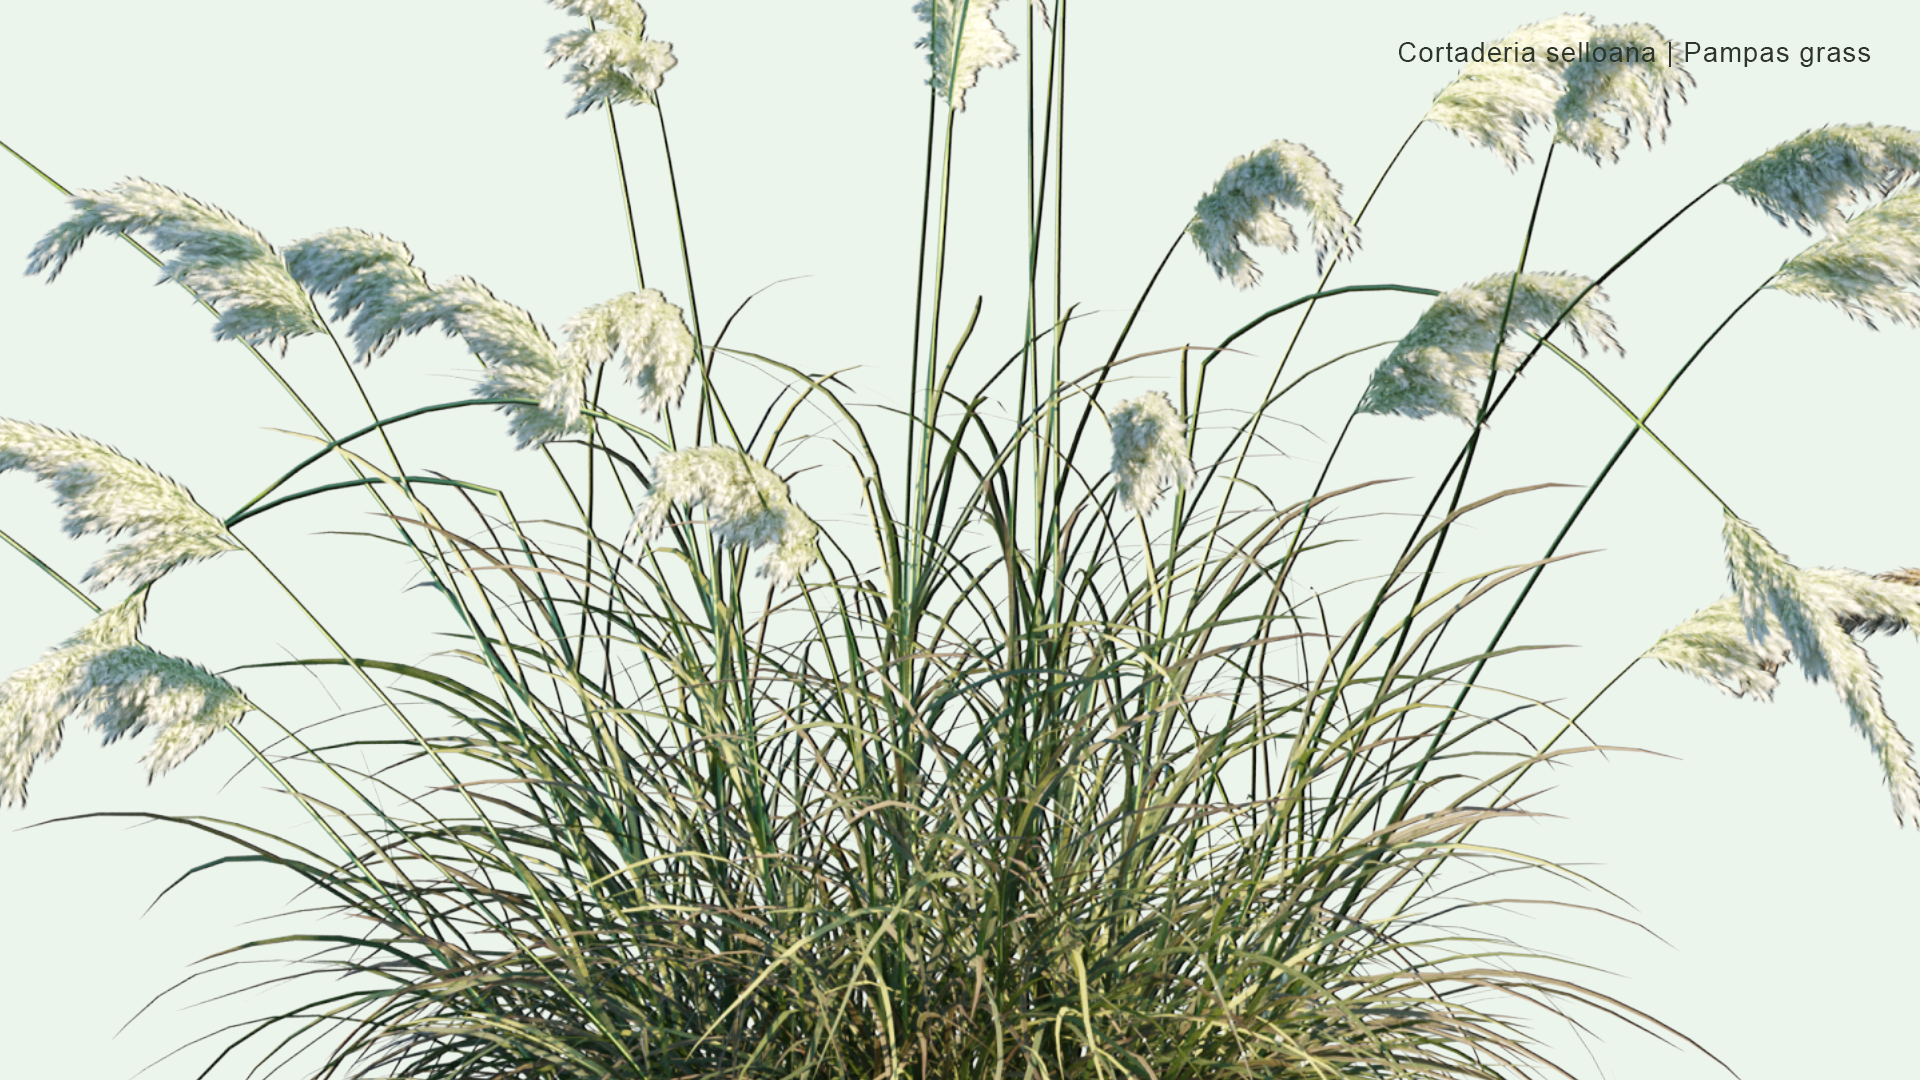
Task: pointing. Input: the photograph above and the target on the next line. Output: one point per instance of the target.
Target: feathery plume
(613, 62)
(1807, 179)
(1813, 612)
(1882, 604)
(1492, 103)
(957, 60)
(560, 391)
(1440, 364)
(105, 492)
(656, 348)
(223, 261)
(373, 279)
(1243, 202)
(1714, 645)
(1149, 451)
(105, 674)
(1858, 683)
(1626, 72)
(31, 722)
(747, 506)
(1858, 604)
(370, 277)
(1866, 266)
(1766, 584)
(521, 361)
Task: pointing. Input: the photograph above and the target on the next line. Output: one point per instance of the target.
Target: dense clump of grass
(1053, 766)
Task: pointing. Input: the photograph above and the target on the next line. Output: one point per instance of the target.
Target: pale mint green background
(1763, 851)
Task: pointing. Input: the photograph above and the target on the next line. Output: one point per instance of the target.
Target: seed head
(747, 506)
(104, 491)
(1626, 74)
(613, 62)
(956, 52)
(1493, 103)
(1779, 611)
(225, 263)
(105, 674)
(1149, 451)
(1867, 266)
(1809, 178)
(1243, 205)
(655, 346)
(371, 278)
(1441, 365)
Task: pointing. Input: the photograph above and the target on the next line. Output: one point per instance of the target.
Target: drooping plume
(104, 674)
(104, 491)
(656, 348)
(1714, 645)
(1867, 266)
(1244, 205)
(1809, 179)
(613, 61)
(1149, 451)
(1767, 586)
(1493, 103)
(746, 506)
(1780, 612)
(224, 262)
(521, 361)
(372, 279)
(1442, 364)
(1624, 75)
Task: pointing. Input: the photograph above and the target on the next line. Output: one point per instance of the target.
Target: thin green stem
(710, 400)
(50, 571)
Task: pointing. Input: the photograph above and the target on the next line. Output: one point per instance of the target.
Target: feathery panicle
(1626, 73)
(656, 348)
(796, 550)
(32, 720)
(1714, 645)
(1882, 604)
(1441, 364)
(104, 492)
(496, 331)
(1858, 683)
(1807, 179)
(559, 389)
(1492, 103)
(1867, 266)
(957, 62)
(370, 277)
(1739, 642)
(1243, 202)
(1766, 584)
(521, 361)
(104, 673)
(613, 62)
(1812, 609)
(747, 506)
(223, 261)
(1854, 603)
(1149, 450)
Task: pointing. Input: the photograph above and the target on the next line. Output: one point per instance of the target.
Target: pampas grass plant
(986, 701)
